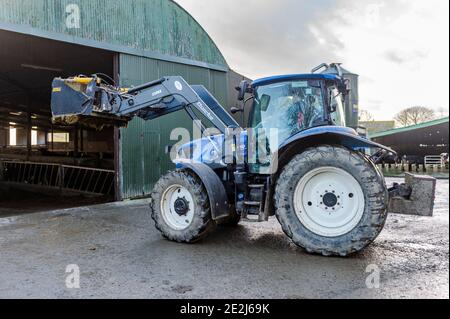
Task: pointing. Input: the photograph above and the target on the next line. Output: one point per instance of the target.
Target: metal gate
(64, 177)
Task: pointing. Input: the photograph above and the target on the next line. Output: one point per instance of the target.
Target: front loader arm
(89, 97)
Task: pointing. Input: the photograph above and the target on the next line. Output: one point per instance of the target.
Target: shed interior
(28, 65)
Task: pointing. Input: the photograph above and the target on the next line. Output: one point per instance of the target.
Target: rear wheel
(331, 201)
(180, 207)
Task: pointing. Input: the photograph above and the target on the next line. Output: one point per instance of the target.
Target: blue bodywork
(347, 136)
(208, 150)
(203, 150)
(294, 77)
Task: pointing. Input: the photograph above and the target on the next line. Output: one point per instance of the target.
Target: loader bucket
(74, 96)
(415, 197)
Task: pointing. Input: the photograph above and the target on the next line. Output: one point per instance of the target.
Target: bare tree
(366, 116)
(402, 118)
(415, 115)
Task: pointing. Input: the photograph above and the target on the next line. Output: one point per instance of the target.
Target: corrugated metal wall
(147, 34)
(150, 25)
(142, 144)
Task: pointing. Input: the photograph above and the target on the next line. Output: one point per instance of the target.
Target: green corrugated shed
(152, 38)
(143, 143)
(157, 28)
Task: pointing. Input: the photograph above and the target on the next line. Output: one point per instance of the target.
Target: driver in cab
(304, 110)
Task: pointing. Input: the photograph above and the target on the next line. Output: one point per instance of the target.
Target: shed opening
(34, 151)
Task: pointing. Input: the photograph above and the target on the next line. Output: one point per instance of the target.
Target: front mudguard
(219, 203)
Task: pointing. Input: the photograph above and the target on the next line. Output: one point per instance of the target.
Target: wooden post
(75, 142)
(117, 147)
(53, 139)
(29, 128)
(81, 140)
(1, 170)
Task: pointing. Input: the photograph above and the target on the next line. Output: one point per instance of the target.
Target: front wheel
(180, 207)
(331, 201)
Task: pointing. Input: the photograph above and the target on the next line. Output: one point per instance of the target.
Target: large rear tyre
(180, 207)
(331, 201)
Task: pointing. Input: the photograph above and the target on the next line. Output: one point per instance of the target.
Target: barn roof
(158, 29)
(410, 128)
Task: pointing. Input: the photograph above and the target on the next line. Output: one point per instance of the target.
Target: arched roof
(154, 28)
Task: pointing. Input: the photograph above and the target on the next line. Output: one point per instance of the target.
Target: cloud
(396, 46)
(399, 57)
(394, 57)
(268, 37)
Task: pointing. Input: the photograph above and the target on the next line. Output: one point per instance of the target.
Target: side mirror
(243, 89)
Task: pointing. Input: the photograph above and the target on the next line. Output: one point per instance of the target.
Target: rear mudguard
(344, 136)
(220, 206)
(332, 135)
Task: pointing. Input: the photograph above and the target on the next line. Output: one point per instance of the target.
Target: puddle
(7, 221)
(416, 246)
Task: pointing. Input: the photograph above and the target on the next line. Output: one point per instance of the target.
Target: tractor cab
(295, 103)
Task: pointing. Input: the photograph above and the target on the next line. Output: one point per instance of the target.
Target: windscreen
(290, 107)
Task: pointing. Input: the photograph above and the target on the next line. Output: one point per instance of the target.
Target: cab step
(255, 186)
(257, 204)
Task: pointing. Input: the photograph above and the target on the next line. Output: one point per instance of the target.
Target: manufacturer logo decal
(178, 86)
(205, 111)
(157, 93)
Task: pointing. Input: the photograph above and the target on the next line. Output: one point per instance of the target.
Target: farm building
(131, 42)
(373, 127)
(417, 142)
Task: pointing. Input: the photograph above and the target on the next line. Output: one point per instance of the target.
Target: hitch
(415, 197)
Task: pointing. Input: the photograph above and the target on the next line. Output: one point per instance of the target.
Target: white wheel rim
(181, 219)
(329, 201)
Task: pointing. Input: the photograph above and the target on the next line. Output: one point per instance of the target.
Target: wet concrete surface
(121, 255)
(22, 199)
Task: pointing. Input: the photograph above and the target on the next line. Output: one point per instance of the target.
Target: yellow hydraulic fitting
(84, 81)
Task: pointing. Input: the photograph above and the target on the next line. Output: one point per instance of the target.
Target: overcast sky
(400, 48)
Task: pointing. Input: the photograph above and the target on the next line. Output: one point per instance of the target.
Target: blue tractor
(296, 160)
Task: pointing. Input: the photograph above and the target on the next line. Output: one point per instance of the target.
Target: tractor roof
(293, 77)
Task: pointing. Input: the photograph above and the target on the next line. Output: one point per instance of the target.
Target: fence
(64, 177)
(397, 170)
(434, 160)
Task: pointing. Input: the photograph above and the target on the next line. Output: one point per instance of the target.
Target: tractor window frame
(325, 120)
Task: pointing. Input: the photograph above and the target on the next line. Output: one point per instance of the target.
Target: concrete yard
(121, 255)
